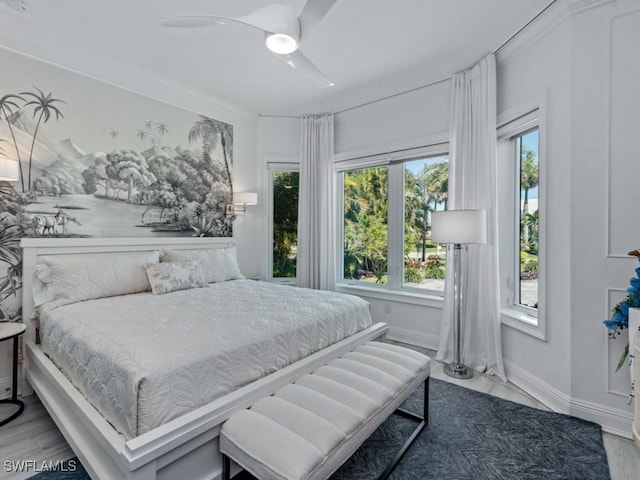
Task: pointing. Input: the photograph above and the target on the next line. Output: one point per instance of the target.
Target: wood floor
(34, 436)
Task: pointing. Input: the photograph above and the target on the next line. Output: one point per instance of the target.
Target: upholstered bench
(307, 429)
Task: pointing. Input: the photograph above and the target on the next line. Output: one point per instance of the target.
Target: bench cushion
(306, 430)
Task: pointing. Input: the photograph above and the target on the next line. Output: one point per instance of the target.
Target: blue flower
(611, 324)
(620, 315)
(624, 308)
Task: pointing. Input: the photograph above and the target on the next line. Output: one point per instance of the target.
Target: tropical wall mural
(96, 160)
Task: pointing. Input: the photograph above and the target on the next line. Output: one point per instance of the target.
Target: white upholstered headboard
(32, 248)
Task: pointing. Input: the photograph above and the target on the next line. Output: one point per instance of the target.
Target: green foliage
(412, 275)
(436, 272)
(285, 223)
(435, 261)
(365, 223)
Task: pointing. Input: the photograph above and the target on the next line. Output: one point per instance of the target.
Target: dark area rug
(471, 436)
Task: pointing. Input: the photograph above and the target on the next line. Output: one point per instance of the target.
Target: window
(386, 227)
(284, 182)
(526, 288)
(365, 225)
(425, 191)
(521, 222)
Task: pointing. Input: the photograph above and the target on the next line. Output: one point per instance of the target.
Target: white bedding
(145, 359)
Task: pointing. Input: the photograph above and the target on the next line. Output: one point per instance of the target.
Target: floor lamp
(458, 227)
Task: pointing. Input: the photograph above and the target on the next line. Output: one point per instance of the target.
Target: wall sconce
(240, 202)
(9, 170)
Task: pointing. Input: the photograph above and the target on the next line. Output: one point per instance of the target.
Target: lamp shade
(9, 170)
(459, 226)
(245, 198)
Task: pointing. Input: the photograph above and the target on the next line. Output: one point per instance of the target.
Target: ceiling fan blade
(312, 14)
(194, 21)
(301, 63)
(276, 18)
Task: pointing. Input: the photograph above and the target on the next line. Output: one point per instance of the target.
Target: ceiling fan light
(281, 43)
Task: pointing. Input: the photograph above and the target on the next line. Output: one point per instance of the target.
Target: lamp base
(458, 370)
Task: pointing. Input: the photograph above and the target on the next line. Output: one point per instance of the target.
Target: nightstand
(7, 332)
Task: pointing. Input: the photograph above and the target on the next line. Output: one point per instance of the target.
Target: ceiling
(370, 48)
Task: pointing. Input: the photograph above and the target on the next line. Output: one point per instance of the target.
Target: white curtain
(472, 185)
(316, 201)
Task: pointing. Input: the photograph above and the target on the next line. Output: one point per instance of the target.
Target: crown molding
(555, 14)
(578, 6)
(18, 34)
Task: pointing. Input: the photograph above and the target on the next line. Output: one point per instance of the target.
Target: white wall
(605, 168)
(537, 71)
(586, 69)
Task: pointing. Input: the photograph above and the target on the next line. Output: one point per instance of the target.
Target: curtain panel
(472, 185)
(316, 205)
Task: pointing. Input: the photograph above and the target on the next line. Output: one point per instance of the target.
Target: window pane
(425, 191)
(285, 223)
(365, 225)
(529, 219)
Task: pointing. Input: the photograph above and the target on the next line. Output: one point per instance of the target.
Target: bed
(157, 412)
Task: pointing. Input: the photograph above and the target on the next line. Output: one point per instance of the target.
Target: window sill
(519, 320)
(412, 298)
(283, 281)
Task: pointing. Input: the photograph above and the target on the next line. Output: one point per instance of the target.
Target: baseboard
(411, 337)
(612, 420)
(5, 388)
(549, 396)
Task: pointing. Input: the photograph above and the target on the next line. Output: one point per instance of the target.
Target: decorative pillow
(68, 279)
(171, 276)
(183, 255)
(218, 264)
(225, 264)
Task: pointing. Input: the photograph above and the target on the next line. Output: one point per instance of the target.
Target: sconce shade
(245, 198)
(459, 226)
(9, 170)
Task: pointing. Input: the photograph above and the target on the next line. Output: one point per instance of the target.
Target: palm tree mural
(114, 134)
(7, 107)
(210, 132)
(142, 135)
(162, 130)
(43, 107)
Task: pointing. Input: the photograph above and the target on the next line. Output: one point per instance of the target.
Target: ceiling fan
(283, 31)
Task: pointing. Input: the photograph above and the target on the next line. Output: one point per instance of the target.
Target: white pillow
(171, 276)
(69, 279)
(225, 264)
(218, 264)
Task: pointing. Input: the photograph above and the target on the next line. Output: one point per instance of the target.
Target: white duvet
(145, 359)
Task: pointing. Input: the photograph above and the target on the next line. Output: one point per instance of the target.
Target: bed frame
(186, 447)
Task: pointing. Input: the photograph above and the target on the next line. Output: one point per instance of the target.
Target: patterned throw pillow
(218, 264)
(171, 276)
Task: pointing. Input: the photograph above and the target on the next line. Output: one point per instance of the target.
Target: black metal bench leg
(226, 467)
(425, 405)
(424, 420)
